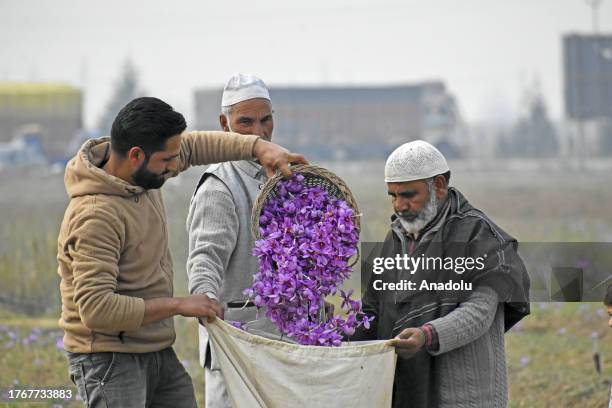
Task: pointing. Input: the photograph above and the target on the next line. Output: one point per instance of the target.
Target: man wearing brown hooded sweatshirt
(114, 261)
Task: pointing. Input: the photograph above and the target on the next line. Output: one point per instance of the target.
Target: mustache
(408, 215)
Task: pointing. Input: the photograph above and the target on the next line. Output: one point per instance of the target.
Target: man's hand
(272, 156)
(157, 309)
(199, 306)
(408, 342)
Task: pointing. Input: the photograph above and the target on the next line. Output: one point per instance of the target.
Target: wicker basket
(313, 177)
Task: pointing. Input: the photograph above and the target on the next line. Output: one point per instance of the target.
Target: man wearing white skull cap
(241, 88)
(220, 263)
(468, 289)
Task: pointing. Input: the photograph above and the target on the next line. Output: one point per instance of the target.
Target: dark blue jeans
(132, 380)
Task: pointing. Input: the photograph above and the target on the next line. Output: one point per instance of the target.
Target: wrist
(428, 334)
(175, 305)
(432, 342)
(256, 146)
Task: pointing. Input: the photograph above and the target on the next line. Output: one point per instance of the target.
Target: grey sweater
(220, 262)
(471, 360)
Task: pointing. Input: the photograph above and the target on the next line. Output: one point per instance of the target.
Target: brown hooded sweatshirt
(113, 248)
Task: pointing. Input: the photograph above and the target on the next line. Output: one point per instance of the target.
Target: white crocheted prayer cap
(241, 87)
(415, 160)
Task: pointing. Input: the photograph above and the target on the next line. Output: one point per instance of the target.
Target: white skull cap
(241, 87)
(415, 160)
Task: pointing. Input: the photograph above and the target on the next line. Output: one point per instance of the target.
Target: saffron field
(549, 354)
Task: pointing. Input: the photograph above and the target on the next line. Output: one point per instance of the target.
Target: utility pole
(594, 5)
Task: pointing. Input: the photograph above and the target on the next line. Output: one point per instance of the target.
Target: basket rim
(304, 169)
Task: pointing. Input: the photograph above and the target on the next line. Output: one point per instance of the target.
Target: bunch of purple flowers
(307, 239)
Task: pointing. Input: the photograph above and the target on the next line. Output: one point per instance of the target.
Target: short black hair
(146, 123)
(608, 298)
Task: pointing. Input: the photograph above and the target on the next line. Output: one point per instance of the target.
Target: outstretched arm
(201, 148)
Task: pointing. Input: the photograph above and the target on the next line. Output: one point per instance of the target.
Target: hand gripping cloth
(266, 373)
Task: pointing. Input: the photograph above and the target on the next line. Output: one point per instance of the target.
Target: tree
(126, 89)
(533, 135)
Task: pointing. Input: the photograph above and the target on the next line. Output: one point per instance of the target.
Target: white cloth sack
(266, 373)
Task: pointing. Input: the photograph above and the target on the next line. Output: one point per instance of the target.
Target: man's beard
(147, 179)
(414, 223)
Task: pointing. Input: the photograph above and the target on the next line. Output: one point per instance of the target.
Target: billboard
(587, 63)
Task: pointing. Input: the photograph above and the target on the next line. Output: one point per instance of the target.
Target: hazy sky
(486, 51)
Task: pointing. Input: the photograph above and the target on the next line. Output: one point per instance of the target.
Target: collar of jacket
(84, 176)
(252, 168)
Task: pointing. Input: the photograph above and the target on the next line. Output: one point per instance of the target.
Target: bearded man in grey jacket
(220, 263)
(450, 338)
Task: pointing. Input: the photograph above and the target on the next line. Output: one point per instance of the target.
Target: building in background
(355, 122)
(51, 113)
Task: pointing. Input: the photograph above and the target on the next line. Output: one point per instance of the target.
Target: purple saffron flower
(307, 239)
(345, 298)
(238, 325)
(525, 361)
(366, 321)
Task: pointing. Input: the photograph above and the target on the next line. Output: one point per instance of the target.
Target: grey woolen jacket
(220, 261)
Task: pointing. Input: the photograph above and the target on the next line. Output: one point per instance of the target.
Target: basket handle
(356, 258)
